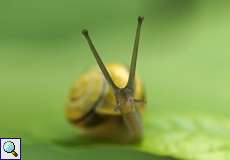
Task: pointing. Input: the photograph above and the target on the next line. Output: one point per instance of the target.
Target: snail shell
(92, 102)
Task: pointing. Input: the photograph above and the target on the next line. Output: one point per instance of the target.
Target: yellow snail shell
(92, 103)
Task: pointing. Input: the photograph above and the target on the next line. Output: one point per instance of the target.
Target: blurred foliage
(184, 63)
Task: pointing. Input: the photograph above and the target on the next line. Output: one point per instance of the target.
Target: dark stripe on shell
(91, 112)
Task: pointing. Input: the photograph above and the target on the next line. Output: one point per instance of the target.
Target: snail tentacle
(131, 80)
(98, 59)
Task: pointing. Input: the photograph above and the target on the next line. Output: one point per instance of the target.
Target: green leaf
(189, 136)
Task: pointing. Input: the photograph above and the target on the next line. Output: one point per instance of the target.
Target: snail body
(108, 102)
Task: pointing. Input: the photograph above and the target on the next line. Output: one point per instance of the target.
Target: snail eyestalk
(98, 59)
(131, 80)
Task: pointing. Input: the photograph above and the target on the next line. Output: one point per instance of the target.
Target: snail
(109, 102)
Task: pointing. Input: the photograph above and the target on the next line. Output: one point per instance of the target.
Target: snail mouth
(86, 119)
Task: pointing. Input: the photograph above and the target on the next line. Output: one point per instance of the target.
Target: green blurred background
(183, 61)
